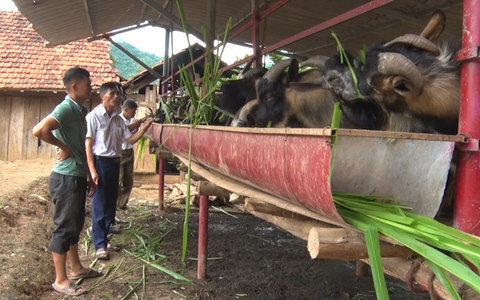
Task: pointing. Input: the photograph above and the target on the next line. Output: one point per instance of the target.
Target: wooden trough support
(326, 238)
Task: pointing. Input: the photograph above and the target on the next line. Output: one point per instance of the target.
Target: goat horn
(260, 71)
(416, 41)
(316, 61)
(435, 26)
(390, 63)
(274, 72)
(242, 114)
(246, 68)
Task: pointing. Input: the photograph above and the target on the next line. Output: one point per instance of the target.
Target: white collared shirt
(107, 132)
(126, 145)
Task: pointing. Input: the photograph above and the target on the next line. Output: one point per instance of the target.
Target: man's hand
(92, 187)
(64, 153)
(95, 178)
(145, 125)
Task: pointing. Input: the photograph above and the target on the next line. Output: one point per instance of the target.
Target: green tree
(125, 65)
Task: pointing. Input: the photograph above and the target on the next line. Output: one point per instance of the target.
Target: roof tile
(25, 62)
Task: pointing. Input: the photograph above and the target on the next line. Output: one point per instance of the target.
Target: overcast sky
(151, 39)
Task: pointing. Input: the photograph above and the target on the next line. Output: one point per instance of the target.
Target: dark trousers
(104, 199)
(126, 178)
(69, 194)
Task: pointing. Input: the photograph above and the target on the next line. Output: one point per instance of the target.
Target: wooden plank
(15, 149)
(136, 97)
(47, 104)
(32, 117)
(5, 112)
(144, 162)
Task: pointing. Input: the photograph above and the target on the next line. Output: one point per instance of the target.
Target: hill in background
(125, 65)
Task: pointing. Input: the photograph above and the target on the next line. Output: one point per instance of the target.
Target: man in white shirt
(105, 132)
(129, 109)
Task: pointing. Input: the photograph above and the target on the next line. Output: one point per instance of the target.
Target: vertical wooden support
(161, 183)
(202, 238)
(256, 34)
(467, 202)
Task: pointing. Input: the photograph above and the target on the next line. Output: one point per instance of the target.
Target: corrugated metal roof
(60, 21)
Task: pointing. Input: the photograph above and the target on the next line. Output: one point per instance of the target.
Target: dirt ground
(248, 258)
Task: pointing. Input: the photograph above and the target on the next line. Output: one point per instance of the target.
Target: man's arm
(43, 131)
(137, 135)
(136, 124)
(91, 159)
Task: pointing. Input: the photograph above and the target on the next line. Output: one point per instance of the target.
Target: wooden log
(183, 168)
(211, 189)
(298, 228)
(267, 208)
(344, 244)
(399, 268)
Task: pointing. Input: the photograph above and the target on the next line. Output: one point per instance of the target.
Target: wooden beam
(150, 70)
(169, 16)
(87, 13)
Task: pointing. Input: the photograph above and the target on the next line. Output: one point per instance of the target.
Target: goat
(281, 104)
(234, 94)
(414, 81)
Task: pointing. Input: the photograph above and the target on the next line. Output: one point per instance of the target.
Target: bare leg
(76, 267)
(59, 261)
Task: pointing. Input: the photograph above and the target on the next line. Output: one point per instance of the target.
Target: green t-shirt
(72, 132)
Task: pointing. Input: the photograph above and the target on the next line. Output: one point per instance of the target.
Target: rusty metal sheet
(414, 171)
(295, 167)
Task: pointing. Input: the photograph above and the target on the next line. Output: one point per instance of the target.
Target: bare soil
(248, 257)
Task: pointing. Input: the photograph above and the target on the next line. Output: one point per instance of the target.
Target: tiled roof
(26, 64)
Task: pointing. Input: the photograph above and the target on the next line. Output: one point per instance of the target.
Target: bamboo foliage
(444, 248)
(202, 101)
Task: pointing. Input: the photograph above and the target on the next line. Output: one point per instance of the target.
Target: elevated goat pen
(288, 175)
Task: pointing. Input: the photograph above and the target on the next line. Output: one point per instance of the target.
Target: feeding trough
(295, 171)
(304, 166)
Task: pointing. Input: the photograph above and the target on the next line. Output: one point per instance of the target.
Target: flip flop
(101, 254)
(111, 247)
(71, 289)
(90, 274)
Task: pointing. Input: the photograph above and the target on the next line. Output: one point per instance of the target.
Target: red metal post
(202, 237)
(161, 183)
(467, 203)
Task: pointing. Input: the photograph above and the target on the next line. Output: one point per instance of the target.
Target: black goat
(283, 104)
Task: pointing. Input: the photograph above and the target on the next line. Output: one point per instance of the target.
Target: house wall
(20, 111)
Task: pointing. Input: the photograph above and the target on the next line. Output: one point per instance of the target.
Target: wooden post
(161, 183)
(202, 238)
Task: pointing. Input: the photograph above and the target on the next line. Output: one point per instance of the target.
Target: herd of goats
(409, 84)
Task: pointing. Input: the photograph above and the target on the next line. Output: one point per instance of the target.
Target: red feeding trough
(296, 165)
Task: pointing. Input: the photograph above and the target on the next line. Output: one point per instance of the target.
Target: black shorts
(69, 194)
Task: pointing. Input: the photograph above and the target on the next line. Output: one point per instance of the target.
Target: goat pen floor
(248, 257)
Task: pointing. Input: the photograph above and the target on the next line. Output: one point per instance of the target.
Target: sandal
(101, 254)
(71, 289)
(111, 247)
(90, 274)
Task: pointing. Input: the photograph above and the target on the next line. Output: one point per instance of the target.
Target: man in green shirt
(70, 179)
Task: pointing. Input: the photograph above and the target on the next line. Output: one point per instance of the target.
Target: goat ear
(404, 87)
(292, 71)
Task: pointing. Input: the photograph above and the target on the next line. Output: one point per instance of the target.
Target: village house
(31, 82)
